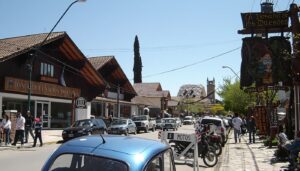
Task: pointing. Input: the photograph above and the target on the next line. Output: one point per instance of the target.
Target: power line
(192, 64)
(162, 48)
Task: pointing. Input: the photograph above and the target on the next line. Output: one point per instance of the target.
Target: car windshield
(84, 162)
(139, 118)
(82, 123)
(119, 122)
(169, 120)
(213, 121)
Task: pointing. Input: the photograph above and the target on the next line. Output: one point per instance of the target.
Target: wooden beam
(269, 30)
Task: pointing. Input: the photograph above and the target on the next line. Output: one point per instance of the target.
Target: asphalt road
(32, 159)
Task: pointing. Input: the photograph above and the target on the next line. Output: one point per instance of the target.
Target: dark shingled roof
(11, 47)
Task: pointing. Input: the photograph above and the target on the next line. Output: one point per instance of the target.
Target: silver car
(169, 123)
(179, 122)
(122, 126)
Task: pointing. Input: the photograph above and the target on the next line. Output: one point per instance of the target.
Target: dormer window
(47, 70)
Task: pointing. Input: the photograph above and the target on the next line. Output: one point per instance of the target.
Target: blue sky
(172, 33)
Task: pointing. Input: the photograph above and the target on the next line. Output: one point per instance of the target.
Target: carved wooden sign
(265, 20)
(265, 88)
(40, 88)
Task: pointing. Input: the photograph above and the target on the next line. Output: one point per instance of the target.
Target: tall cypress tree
(137, 67)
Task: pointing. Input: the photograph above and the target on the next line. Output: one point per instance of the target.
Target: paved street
(238, 157)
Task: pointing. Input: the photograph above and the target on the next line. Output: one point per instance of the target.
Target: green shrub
(267, 142)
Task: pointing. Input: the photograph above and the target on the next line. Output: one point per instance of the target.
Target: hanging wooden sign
(265, 20)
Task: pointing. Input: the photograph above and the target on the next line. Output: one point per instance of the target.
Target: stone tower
(211, 90)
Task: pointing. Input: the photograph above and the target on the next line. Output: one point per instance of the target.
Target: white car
(220, 127)
(188, 120)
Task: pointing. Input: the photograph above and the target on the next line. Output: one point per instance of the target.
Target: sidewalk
(248, 157)
(48, 136)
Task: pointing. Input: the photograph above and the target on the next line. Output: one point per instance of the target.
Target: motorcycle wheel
(174, 147)
(218, 148)
(210, 159)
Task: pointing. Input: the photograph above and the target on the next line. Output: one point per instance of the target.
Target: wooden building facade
(58, 72)
(116, 100)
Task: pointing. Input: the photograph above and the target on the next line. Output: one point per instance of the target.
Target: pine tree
(137, 67)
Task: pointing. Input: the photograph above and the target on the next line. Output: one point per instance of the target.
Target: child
(38, 131)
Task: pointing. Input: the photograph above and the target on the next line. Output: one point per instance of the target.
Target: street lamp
(29, 65)
(232, 71)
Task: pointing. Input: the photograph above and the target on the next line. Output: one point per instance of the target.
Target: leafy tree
(189, 105)
(217, 109)
(235, 99)
(137, 67)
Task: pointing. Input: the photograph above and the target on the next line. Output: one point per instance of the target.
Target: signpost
(165, 135)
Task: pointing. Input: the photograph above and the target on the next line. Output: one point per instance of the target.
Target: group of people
(23, 127)
(239, 123)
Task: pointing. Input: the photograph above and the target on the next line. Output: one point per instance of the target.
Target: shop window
(47, 69)
(98, 109)
(60, 115)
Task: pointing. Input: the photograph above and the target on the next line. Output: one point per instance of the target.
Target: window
(83, 162)
(161, 162)
(168, 162)
(47, 69)
(155, 164)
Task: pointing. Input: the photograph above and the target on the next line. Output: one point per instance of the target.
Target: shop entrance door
(43, 111)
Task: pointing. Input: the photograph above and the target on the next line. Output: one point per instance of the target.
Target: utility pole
(295, 25)
(32, 58)
(118, 100)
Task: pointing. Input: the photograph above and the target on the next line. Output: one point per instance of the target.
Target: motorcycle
(205, 151)
(214, 140)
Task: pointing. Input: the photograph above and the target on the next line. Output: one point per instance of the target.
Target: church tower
(211, 90)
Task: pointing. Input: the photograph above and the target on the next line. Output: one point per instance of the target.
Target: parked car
(169, 123)
(84, 127)
(108, 120)
(179, 122)
(158, 123)
(122, 126)
(144, 122)
(220, 127)
(113, 153)
(188, 120)
(226, 122)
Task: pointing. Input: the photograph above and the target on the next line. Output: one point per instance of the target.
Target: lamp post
(232, 71)
(30, 64)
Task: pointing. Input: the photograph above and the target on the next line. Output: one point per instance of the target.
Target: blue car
(111, 153)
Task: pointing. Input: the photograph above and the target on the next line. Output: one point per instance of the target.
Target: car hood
(117, 126)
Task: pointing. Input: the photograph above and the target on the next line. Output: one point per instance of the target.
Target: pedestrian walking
(244, 126)
(251, 129)
(6, 123)
(20, 127)
(1, 131)
(38, 131)
(237, 122)
(28, 126)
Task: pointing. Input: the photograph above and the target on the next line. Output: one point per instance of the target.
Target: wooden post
(295, 25)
